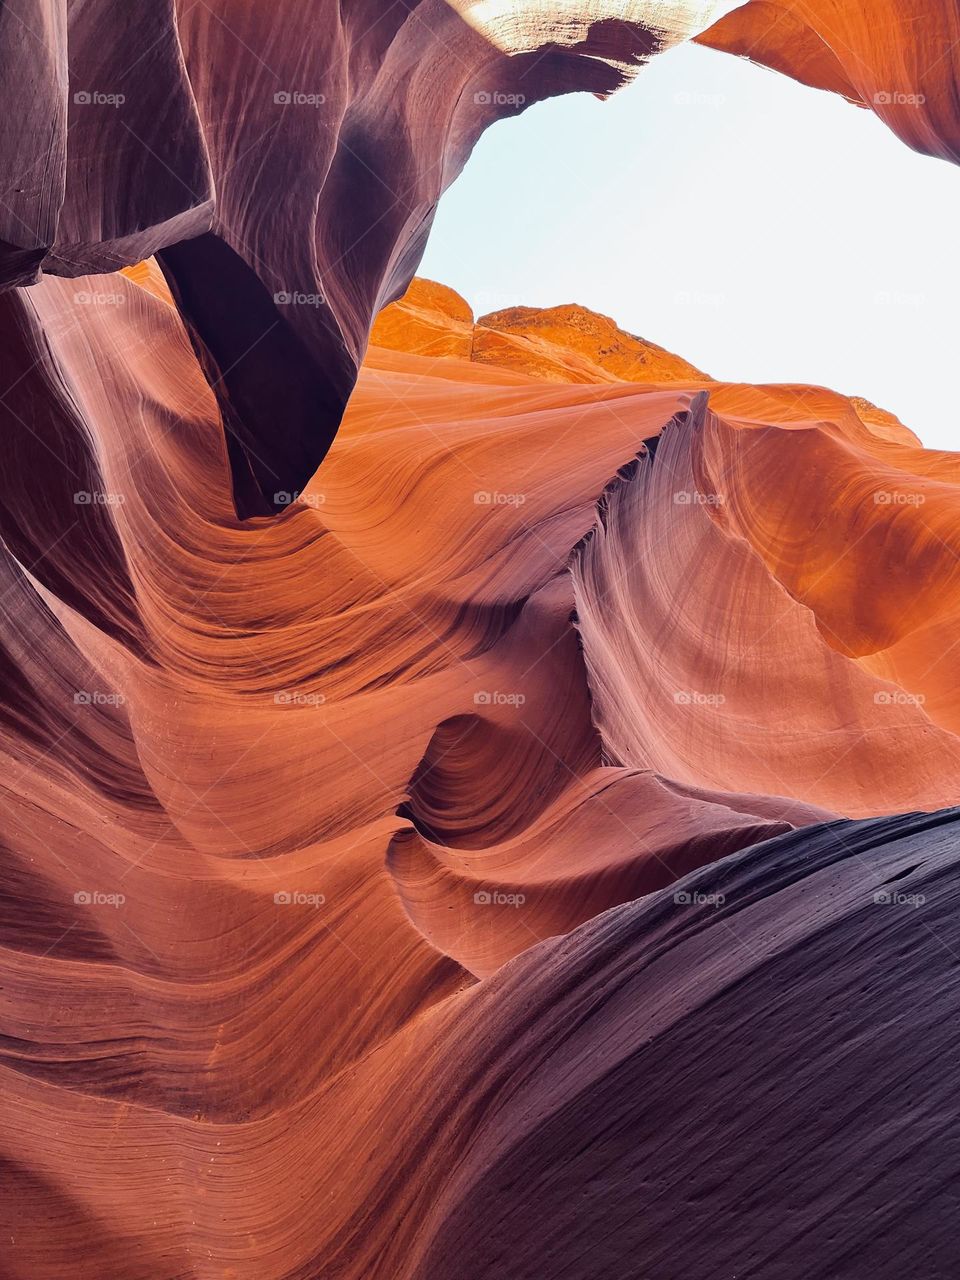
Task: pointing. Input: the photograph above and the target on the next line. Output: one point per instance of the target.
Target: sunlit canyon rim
(476, 789)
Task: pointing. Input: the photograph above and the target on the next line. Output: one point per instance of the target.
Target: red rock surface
(351, 863)
(552, 344)
(902, 59)
(595, 339)
(492, 862)
(288, 184)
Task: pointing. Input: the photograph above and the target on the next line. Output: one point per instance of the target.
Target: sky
(763, 230)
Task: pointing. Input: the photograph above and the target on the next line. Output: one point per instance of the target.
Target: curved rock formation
(830, 540)
(758, 1067)
(900, 59)
(591, 347)
(288, 185)
(472, 869)
(551, 344)
(373, 908)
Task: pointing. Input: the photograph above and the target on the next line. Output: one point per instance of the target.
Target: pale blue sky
(763, 230)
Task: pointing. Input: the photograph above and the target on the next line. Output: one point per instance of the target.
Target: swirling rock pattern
(461, 860)
(373, 908)
(836, 538)
(288, 185)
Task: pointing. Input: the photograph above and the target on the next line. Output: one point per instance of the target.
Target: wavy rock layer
(835, 538)
(902, 59)
(285, 164)
(372, 904)
(758, 1068)
(288, 185)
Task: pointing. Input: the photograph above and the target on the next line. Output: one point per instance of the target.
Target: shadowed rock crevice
(387, 892)
(281, 402)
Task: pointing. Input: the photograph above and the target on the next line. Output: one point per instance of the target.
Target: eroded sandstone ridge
(522, 848)
(454, 875)
(285, 163)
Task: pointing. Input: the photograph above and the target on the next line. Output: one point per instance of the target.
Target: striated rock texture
(285, 162)
(552, 344)
(593, 342)
(835, 538)
(454, 876)
(524, 846)
(901, 59)
(288, 184)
